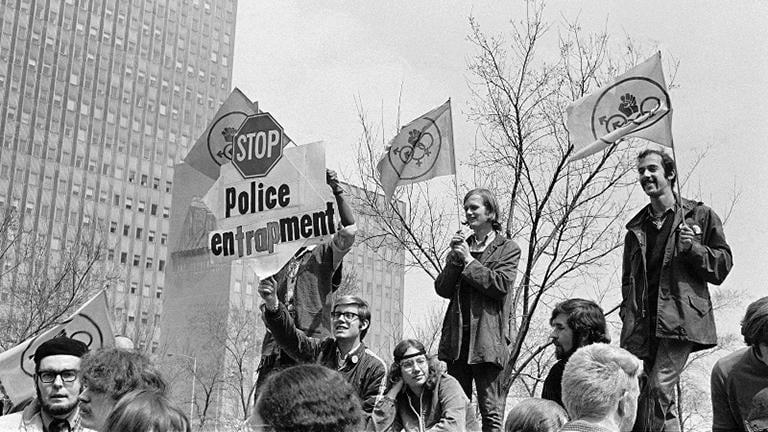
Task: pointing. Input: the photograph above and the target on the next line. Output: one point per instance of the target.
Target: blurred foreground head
(307, 398)
(536, 415)
(146, 410)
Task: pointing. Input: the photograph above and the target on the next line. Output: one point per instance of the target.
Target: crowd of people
(317, 374)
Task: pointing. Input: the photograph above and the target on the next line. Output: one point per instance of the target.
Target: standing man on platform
(673, 248)
(305, 285)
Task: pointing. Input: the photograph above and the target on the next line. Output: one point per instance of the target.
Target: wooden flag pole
(455, 172)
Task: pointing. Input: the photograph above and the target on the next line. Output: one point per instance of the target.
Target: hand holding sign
(268, 292)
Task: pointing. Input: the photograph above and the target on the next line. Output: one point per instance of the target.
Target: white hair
(596, 377)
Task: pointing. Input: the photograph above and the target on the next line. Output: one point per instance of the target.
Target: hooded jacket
(443, 407)
(490, 279)
(684, 310)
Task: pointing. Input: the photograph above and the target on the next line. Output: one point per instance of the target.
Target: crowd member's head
(417, 370)
(57, 383)
(757, 419)
(124, 342)
(308, 398)
(108, 375)
(351, 318)
(600, 384)
(754, 327)
(576, 323)
(656, 172)
(146, 410)
(536, 415)
(480, 209)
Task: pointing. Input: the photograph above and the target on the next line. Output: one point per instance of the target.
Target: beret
(60, 345)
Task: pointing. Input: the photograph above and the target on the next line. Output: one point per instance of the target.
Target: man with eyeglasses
(57, 384)
(344, 351)
(306, 283)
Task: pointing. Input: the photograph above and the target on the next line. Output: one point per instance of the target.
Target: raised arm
(279, 322)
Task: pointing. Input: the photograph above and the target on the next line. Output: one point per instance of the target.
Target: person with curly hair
(146, 410)
(421, 395)
(109, 374)
(307, 398)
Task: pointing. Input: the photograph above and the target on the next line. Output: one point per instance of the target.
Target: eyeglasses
(349, 316)
(67, 375)
(411, 364)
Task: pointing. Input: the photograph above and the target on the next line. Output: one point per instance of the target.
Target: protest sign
(267, 219)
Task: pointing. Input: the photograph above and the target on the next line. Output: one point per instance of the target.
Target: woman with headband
(421, 396)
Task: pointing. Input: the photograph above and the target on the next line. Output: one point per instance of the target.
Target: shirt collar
(352, 356)
(476, 245)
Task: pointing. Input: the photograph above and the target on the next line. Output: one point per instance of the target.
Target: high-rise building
(98, 100)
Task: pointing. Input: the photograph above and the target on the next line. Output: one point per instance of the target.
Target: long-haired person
(421, 395)
(478, 276)
(145, 411)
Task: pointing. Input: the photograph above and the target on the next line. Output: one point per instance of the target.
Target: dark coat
(490, 278)
(364, 370)
(684, 310)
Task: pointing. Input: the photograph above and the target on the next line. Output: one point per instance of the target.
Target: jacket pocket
(701, 305)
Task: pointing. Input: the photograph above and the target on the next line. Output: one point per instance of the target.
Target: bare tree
(567, 217)
(42, 284)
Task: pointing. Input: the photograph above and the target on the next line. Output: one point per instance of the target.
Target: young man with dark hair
(575, 323)
(739, 376)
(673, 248)
(110, 373)
(306, 282)
(57, 384)
(344, 351)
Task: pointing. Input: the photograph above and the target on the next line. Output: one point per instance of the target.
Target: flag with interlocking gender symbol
(635, 104)
(422, 150)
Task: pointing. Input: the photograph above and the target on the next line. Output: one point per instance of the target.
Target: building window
(123, 257)
(136, 260)
(149, 262)
(139, 231)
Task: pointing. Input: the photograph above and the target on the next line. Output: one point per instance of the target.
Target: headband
(399, 359)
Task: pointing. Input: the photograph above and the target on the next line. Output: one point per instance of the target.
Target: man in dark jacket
(575, 323)
(344, 351)
(478, 278)
(672, 249)
(306, 283)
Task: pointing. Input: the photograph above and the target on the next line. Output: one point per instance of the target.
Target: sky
(312, 65)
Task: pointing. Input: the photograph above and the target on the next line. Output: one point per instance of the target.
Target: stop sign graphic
(258, 145)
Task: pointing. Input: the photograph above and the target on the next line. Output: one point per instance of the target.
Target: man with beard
(672, 249)
(575, 323)
(57, 384)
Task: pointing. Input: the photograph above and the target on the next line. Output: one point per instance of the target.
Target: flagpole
(455, 172)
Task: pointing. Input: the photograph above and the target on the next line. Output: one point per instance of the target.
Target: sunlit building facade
(98, 100)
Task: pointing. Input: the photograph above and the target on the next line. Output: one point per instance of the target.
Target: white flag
(421, 151)
(90, 324)
(635, 104)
